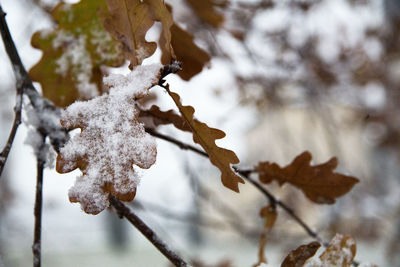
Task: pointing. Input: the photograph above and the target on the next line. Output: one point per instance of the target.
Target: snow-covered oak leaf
(206, 11)
(129, 20)
(205, 136)
(73, 53)
(111, 141)
(340, 252)
(159, 117)
(269, 214)
(319, 183)
(297, 257)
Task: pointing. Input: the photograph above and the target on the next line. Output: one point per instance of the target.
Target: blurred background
(284, 77)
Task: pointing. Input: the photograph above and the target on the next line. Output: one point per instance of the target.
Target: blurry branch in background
(231, 217)
(246, 174)
(192, 218)
(124, 211)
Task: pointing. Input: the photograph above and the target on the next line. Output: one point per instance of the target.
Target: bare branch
(124, 211)
(18, 104)
(36, 247)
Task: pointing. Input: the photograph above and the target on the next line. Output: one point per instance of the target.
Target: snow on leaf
(110, 142)
(206, 136)
(319, 183)
(300, 255)
(340, 252)
(73, 53)
(270, 215)
(129, 20)
(165, 117)
(193, 58)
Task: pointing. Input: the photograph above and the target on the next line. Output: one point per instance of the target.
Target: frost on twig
(111, 141)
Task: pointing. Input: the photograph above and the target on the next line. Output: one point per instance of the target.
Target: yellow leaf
(206, 136)
(319, 183)
(73, 53)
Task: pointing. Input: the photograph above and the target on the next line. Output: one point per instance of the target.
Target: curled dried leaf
(206, 136)
(297, 257)
(270, 215)
(340, 252)
(319, 183)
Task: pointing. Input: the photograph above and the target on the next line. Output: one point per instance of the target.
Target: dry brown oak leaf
(159, 117)
(111, 141)
(129, 20)
(300, 255)
(206, 136)
(270, 215)
(339, 253)
(319, 183)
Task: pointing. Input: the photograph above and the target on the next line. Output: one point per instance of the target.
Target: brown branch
(246, 175)
(176, 142)
(124, 211)
(36, 247)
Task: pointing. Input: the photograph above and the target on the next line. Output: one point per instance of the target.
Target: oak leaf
(73, 53)
(269, 214)
(319, 183)
(206, 11)
(193, 58)
(297, 257)
(111, 141)
(340, 252)
(206, 136)
(129, 20)
(165, 117)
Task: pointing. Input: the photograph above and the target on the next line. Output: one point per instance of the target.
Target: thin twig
(36, 247)
(246, 174)
(18, 103)
(176, 142)
(124, 211)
